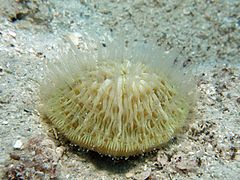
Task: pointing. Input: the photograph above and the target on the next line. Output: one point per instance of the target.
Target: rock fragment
(18, 144)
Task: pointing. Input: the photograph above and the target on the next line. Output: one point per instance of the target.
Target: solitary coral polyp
(117, 100)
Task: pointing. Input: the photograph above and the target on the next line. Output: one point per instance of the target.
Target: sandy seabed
(206, 32)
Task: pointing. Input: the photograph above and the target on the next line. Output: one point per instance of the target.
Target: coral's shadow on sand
(110, 164)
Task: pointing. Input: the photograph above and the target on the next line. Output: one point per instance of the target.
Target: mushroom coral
(117, 98)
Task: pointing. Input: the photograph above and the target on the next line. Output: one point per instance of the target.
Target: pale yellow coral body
(114, 105)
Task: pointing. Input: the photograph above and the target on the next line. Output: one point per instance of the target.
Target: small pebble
(60, 150)
(143, 175)
(5, 122)
(129, 174)
(18, 144)
(14, 156)
(186, 12)
(163, 159)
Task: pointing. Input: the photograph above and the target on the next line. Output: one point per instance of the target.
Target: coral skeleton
(117, 98)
